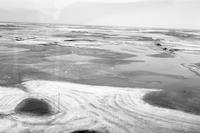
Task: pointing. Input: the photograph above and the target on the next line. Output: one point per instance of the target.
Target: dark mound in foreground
(32, 106)
(183, 100)
(86, 131)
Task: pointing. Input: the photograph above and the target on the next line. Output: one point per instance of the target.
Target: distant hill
(24, 15)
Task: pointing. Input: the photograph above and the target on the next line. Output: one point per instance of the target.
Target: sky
(136, 13)
(44, 5)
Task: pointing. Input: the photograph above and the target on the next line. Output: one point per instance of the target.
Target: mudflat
(98, 79)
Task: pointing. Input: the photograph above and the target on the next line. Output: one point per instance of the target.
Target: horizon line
(119, 26)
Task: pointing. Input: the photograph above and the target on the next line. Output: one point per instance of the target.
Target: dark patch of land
(197, 64)
(17, 67)
(113, 62)
(130, 79)
(32, 106)
(187, 100)
(158, 44)
(162, 55)
(14, 75)
(174, 50)
(149, 73)
(86, 131)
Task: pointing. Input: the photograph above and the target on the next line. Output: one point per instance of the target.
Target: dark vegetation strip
(187, 100)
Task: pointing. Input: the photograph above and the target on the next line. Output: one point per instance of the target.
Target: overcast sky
(142, 13)
(42, 4)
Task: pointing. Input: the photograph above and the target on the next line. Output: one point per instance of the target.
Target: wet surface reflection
(76, 56)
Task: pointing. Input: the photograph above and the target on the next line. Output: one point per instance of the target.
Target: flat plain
(85, 79)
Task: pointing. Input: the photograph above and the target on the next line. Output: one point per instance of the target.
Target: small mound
(86, 131)
(32, 106)
(158, 44)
